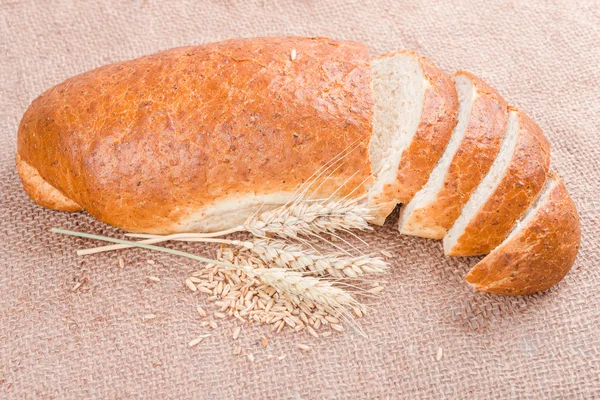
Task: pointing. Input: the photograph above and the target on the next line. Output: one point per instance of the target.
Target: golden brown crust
(438, 119)
(537, 257)
(143, 143)
(476, 154)
(520, 186)
(41, 191)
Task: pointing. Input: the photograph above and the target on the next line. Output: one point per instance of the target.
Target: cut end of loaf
(42, 192)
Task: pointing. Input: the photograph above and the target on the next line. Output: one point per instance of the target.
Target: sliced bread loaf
(415, 112)
(473, 146)
(510, 186)
(539, 251)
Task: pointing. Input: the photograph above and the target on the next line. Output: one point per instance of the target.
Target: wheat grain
(148, 317)
(236, 332)
(201, 311)
(439, 354)
(200, 338)
(376, 289)
(151, 262)
(154, 279)
(304, 347)
(237, 350)
(264, 342)
(386, 253)
(190, 285)
(204, 289)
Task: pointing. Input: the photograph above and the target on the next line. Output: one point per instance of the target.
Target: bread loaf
(198, 138)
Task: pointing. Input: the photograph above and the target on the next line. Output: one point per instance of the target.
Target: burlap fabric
(92, 343)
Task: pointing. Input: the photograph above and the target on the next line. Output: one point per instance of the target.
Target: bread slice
(473, 146)
(415, 112)
(539, 251)
(510, 186)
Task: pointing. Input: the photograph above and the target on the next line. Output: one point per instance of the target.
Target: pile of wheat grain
(250, 300)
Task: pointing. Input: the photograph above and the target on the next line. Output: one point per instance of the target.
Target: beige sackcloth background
(92, 343)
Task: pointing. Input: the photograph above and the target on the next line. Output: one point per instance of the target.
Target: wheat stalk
(283, 255)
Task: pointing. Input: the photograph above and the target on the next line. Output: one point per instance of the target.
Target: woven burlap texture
(92, 342)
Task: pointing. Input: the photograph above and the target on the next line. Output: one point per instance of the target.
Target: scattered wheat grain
(304, 347)
(264, 342)
(236, 332)
(386, 253)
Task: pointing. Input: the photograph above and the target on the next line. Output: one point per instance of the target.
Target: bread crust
(41, 191)
(536, 258)
(516, 191)
(477, 151)
(438, 119)
(142, 144)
